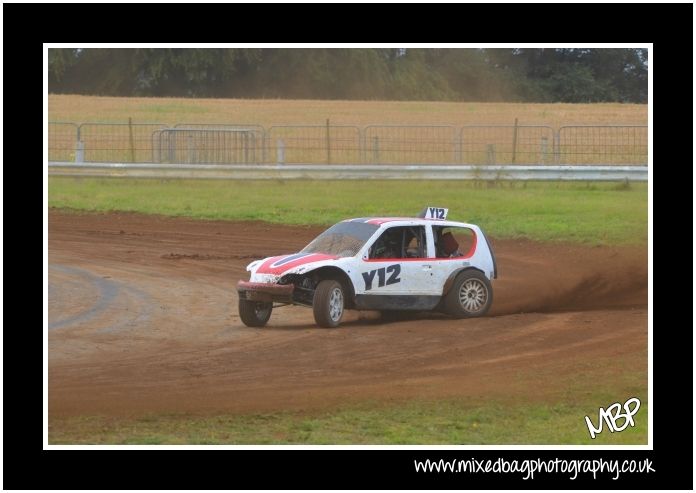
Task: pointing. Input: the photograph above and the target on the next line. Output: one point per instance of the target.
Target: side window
(452, 242)
(414, 242)
(399, 242)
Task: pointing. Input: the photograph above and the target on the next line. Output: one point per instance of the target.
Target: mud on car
(377, 263)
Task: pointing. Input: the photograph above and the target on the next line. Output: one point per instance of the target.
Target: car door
(454, 248)
(397, 263)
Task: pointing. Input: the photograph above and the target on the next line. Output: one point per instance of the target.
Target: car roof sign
(433, 213)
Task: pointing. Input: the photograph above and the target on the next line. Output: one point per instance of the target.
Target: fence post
(544, 148)
(130, 139)
(266, 144)
(328, 143)
(171, 146)
(79, 148)
(557, 147)
(361, 145)
(490, 154)
(458, 157)
(280, 146)
(455, 146)
(80, 152)
(514, 142)
(251, 141)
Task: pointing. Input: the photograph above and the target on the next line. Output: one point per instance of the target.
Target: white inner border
(651, 403)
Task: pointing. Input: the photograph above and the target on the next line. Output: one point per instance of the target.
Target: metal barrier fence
(314, 144)
(609, 144)
(117, 142)
(475, 145)
(404, 144)
(208, 144)
(62, 141)
(350, 172)
(506, 144)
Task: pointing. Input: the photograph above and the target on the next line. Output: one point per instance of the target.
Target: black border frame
(669, 27)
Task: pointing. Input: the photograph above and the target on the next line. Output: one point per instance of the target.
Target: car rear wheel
(471, 295)
(255, 313)
(328, 303)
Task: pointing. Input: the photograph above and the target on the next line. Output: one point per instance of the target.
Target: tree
(527, 74)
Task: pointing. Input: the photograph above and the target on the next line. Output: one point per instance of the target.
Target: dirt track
(143, 318)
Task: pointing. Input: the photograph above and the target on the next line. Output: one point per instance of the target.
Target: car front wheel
(328, 303)
(471, 295)
(254, 313)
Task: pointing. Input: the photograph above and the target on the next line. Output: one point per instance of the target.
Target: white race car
(377, 263)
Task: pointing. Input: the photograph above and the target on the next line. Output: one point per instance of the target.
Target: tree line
(442, 74)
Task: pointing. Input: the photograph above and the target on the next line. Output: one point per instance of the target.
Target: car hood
(284, 263)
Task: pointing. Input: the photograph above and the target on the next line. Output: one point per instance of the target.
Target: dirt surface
(142, 318)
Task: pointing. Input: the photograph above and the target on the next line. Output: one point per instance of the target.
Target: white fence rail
(350, 172)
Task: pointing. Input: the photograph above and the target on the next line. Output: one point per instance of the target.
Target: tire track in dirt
(73, 310)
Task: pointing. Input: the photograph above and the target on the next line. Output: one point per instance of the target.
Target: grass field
(447, 422)
(269, 112)
(600, 213)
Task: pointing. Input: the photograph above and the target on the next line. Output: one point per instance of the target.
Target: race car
(377, 263)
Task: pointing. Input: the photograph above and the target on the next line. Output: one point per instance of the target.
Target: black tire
(328, 303)
(471, 295)
(255, 313)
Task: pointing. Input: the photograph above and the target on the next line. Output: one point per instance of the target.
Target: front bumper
(260, 291)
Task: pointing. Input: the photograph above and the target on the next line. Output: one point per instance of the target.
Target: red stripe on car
(266, 267)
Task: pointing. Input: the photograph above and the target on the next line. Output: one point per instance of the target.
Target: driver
(387, 246)
(448, 246)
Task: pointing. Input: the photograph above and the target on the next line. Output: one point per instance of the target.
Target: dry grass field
(440, 137)
(269, 112)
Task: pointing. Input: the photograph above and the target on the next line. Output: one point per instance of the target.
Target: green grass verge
(593, 213)
(448, 422)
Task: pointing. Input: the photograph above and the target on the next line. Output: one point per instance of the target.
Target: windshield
(343, 239)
